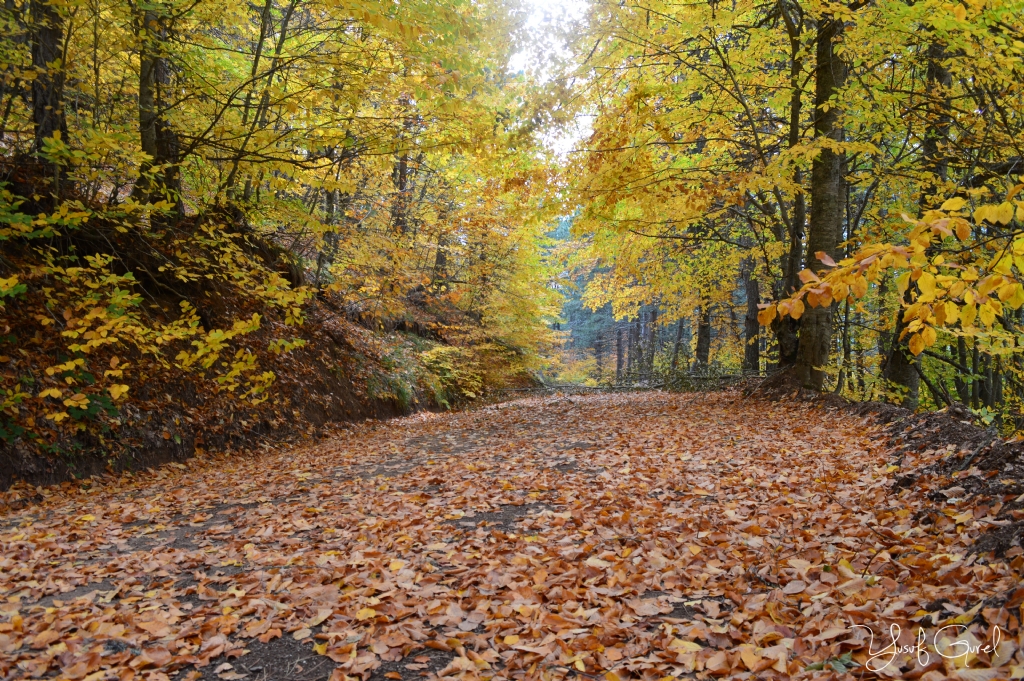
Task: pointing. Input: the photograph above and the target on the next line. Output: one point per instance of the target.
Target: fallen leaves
(515, 555)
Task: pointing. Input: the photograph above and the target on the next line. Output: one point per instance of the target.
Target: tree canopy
(848, 174)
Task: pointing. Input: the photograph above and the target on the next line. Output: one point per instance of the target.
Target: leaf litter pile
(618, 536)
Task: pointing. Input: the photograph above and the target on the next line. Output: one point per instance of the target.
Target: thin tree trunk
(986, 381)
(676, 345)
(652, 339)
(632, 364)
(845, 368)
(258, 120)
(751, 327)
(976, 381)
(618, 354)
(961, 382)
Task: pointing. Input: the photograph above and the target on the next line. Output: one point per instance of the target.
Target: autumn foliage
(214, 196)
(844, 176)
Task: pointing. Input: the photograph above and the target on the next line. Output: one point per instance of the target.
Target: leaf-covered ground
(623, 536)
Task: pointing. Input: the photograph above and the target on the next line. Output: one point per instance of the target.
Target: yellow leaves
(116, 369)
(955, 203)
(682, 646)
(51, 392)
(987, 285)
(9, 287)
(8, 284)
(1016, 300)
(1007, 290)
(1001, 214)
(70, 365)
(968, 313)
(951, 312)
(916, 344)
(840, 290)
(117, 391)
(796, 309)
(987, 314)
(903, 282)
(926, 285)
(859, 286)
(365, 614)
(78, 401)
(511, 640)
(928, 335)
(767, 315)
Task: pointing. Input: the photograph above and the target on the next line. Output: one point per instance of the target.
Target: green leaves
(839, 665)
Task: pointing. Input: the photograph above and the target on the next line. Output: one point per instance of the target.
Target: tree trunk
(157, 138)
(632, 364)
(751, 327)
(963, 387)
(975, 382)
(618, 354)
(986, 381)
(997, 382)
(48, 85)
(703, 352)
(676, 345)
(652, 339)
(785, 329)
(441, 261)
(401, 181)
(901, 367)
(844, 370)
(826, 202)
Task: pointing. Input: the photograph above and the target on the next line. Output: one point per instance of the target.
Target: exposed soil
(968, 463)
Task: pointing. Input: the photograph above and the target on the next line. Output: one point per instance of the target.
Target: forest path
(651, 534)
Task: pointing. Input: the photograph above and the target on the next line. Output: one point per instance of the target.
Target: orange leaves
(825, 258)
(743, 538)
(767, 314)
(960, 291)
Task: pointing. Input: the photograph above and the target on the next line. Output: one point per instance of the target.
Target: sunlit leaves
(961, 291)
